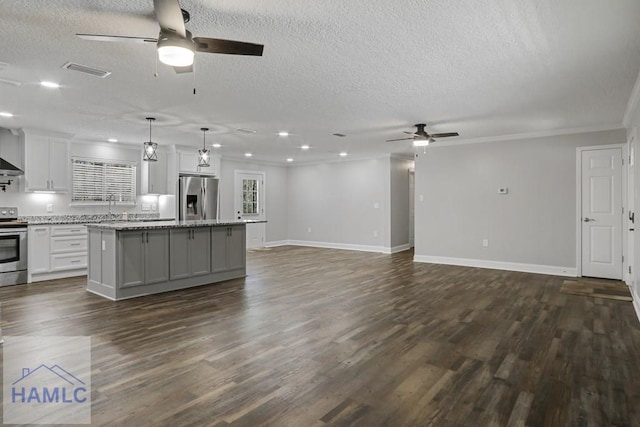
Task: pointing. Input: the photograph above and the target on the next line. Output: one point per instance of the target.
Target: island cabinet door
(200, 251)
(237, 247)
(219, 249)
(179, 253)
(131, 261)
(156, 256)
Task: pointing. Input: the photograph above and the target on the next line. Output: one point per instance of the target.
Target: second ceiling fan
(421, 138)
(176, 46)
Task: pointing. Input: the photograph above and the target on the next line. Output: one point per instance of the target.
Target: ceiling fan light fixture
(422, 142)
(175, 51)
(204, 154)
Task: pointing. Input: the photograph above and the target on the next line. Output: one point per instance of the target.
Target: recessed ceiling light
(343, 154)
(248, 154)
(5, 114)
(283, 133)
(51, 85)
(216, 145)
(289, 160)
(304, 147)
(112, 140)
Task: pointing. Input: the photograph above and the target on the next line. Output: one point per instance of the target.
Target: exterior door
(602, 213)
(630, 217)
(250, 201)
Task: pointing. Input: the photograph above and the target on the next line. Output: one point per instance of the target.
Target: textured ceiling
(369, 69)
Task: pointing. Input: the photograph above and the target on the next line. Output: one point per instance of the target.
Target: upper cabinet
(188, 163)
(47, 164)
(153, 175)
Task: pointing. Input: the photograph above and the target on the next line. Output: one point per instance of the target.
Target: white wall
(632, 132)
(531, 228)
(275, 195)
(337, 202)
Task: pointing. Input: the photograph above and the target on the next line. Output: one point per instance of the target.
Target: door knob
(589, 219)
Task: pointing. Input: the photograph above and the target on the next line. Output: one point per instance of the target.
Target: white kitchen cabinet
(188, 163)
(153, 175)
(57, 251)
(47, 164)
(38, 247)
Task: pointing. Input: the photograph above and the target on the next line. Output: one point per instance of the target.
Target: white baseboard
(499, 265)
(399, 248)
(276, 243)
(346, 246)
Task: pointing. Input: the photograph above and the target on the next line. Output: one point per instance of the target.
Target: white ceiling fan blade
(106, 38)
(170, 16)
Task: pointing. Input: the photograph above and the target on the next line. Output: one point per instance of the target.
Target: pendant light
(149, 146)
(204, 154)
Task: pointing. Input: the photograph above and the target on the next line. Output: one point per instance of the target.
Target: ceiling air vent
(87, 70)
(340, 135)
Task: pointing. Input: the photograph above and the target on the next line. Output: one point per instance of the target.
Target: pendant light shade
(150, 147)
(204, 155)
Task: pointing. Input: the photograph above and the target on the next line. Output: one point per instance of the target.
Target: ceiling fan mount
(421, 138)
(176, 46)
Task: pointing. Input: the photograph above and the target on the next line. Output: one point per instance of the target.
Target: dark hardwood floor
(324, 337)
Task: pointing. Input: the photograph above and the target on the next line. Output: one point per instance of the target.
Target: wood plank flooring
(317, 337)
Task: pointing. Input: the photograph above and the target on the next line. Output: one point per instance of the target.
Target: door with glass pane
(249, 204)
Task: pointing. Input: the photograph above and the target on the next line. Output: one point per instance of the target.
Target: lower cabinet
(228, 248)
(190, 252)
(57, 251)
(143, 257)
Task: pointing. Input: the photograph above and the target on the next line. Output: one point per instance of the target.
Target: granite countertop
(148, 225)
(87, 219)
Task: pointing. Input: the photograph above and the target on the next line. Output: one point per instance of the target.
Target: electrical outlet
(375, 233)
(485, 243)
(49, 207)
(503, 190)
(145, 206)
(376, 205)
(309, 230)
(421, 198)
(153, 206)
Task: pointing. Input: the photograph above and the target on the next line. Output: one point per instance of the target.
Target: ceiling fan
(176, 46)
(421, 138)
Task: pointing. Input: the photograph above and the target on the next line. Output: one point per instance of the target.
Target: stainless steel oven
(13, 248)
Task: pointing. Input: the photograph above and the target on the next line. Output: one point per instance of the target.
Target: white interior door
(249, 203)
(412, 180)
(602, 213)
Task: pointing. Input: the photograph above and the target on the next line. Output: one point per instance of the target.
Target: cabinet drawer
(68, 244)
(68, 261)
(68, 230)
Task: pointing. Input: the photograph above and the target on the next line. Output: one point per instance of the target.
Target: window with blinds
(96, 180)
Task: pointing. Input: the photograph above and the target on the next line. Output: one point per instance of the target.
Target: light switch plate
(49, 207)
(503, 190)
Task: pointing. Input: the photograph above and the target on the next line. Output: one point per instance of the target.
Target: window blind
(96, 180)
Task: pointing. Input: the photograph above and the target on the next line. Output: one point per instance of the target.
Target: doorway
(600, 204)
(250, 204)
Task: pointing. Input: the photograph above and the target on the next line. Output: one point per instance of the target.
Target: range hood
(7, 169)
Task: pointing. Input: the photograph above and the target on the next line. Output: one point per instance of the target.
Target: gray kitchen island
(132, 259)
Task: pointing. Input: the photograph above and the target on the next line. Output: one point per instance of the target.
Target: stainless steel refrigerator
(197, 197)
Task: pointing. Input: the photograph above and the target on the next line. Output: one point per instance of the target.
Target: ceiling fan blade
(399, 139)
(410, 133)
(231, 47)
(181, 70)
(444, 135)
(105, 38)
(170, 16)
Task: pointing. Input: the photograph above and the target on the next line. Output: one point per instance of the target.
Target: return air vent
(87, 70)
(11, 82)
